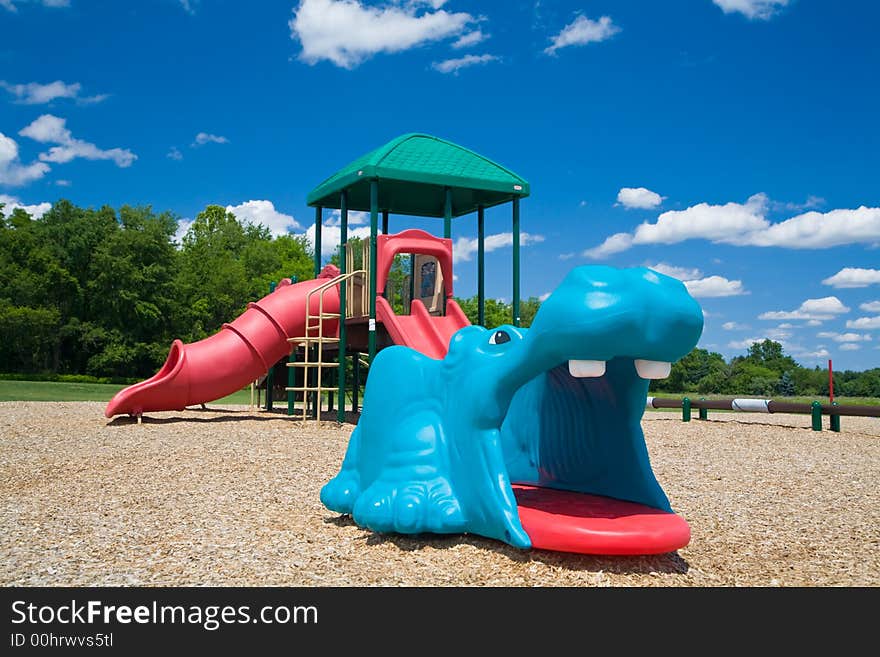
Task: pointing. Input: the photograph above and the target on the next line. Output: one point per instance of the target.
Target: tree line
(103, 293)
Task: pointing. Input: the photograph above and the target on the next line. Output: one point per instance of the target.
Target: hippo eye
(499, 337)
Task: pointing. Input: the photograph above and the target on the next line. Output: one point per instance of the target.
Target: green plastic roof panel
(413, 172)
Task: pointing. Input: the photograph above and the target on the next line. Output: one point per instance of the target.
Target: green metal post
(481, 266)
(356, 375)
(270, 375)
(704, 412)
(291, 381)
(343, 239)
(817, 415)
(319, 217)
(834, 420)
(384, 222)
(447, 214)
(516, 262)
(374, 228)
(686, 409)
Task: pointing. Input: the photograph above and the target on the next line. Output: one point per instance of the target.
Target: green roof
(413, 172)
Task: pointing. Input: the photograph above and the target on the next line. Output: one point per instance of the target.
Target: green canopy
(414, 171)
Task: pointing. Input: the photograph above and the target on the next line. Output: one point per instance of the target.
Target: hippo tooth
(586, 368)
(653, 369)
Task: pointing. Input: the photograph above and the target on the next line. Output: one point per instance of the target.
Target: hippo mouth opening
(575, 453)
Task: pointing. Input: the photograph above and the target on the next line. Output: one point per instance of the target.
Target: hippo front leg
(340, 493)
(412, 492)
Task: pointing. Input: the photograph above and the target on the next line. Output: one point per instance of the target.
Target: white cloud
(567, 256)
(182, 228)
(743, 344)
(9, 5)
(745, 224)
(638, 197)
(355, 218)
(188, 6)
(330, 237)
(34, 93)
(853, 277)
(714, 286)
(347, 32)
(544, 297)
(49, 129)
(812, 309)
(207, 138)
(453, 65)
(582, 31)
(819, 354)
(864, 323)
(814, 322)
(681, 273)
(464, 248)
(10, 203)
(734, 326)
(849, 346)
(264, 213)
(63, 183)
(174, 154)
(870, 306)
(470, 39)
(845, 337)
(12, 171)
(752, 9)
(786, 325)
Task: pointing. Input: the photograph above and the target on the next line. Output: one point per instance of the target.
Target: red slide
(419, 330)
(227, 361)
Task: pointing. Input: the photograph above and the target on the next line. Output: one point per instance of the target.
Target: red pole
(830, 382)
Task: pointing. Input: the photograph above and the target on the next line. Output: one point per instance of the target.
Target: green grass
(102, 392)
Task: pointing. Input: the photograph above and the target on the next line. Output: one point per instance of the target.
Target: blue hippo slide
(529, 436)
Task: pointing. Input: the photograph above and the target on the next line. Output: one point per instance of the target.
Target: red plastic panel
(413, 241)
(565, 521)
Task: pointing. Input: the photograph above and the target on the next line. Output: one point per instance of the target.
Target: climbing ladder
(313, 363)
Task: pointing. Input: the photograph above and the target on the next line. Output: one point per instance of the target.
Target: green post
(704, 412)
(356, 375)
(447, 214)
(834, 420)
(516, 262)
(817, 415)
(686, 409)
(319, 217)
(481, 266)
(374, 228)
(384, 222)
(343, 239)
(291, 382)
(270, 375)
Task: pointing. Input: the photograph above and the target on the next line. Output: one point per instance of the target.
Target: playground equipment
(314, 326)
(529, 436)
(815, 409)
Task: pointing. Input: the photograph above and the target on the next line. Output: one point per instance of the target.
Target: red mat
(565, 521)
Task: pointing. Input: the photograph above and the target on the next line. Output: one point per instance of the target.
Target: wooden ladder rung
(312, 364)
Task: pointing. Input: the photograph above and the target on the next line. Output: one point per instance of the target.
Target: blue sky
(732, 143)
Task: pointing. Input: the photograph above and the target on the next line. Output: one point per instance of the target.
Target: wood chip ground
(230, 497)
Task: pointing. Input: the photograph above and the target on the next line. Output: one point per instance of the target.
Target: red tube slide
(227, 361)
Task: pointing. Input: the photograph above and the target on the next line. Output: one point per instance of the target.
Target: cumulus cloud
(813, 309)
(330, 236)
(10, 203)
(9, 5)
(849, 346)
(853, 277)
(752, 9)
(582, 31)
(264, 213)
(454, 65)
(355, 218)
(870, 306)
(745, 224)
(174, 154)
(12, 171)
(638, 197)
(464, 248)
(207, 138)
(470, 39)
(734, 326)
(864, 323)
(34, 93)
(844, 337)
(347, 32)
(699, 287)
(49, 129)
